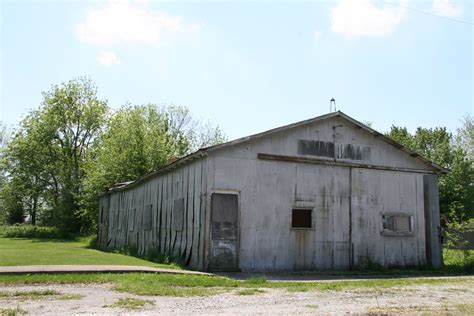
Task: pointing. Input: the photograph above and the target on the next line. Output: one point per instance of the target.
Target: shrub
(93, 242)
(458, 261)
(154, 255)
(29, 231)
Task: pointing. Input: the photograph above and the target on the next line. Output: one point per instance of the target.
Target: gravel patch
(446, 298)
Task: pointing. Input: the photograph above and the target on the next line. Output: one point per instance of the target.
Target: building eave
(204, 151)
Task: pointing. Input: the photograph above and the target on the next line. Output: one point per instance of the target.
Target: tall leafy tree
(138, 140)
(4, 138)
(70, 149)
(465, 136)
(48, 154)
(456, 189)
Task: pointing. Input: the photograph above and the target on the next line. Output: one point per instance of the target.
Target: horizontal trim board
(263, 156)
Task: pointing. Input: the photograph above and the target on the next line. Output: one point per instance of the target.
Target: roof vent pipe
(331, 104)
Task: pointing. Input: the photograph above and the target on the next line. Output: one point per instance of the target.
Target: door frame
(209, 223)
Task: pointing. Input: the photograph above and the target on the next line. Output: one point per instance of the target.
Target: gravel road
(446, 298)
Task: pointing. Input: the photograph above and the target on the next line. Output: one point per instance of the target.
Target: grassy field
(22, 251)
(26, 251)
(189, 285)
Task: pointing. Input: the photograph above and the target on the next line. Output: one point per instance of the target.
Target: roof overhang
(203, 151)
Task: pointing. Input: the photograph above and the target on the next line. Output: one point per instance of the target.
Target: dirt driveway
(445, 298)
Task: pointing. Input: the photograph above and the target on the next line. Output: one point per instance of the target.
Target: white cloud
(118, 22)
(363, 18)
(446, 8)
(107, 58)
(317, 35)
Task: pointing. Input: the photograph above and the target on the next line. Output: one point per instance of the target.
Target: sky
(248, 66)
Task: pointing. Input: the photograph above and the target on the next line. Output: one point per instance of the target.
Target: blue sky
(248, 66)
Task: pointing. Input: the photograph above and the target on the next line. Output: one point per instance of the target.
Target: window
(131, 220)
(178, 215)
(147, 217)
(301, 218)
(399, 224)
(120, 216)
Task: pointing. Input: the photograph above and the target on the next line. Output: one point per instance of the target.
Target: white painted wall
(347, 204)
(270, 189)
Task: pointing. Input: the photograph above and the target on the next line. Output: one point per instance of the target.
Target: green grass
(38, 295)
(459, 260)
(456, 262)
(130, 303)
(12, 311)
(3, 228)
(19, 251)
(192, 285)
(250, 292)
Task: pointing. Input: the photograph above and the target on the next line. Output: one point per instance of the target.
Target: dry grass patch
(250, 292)
(131, 303)
(12, 311)
(432, 310)
(38, 295)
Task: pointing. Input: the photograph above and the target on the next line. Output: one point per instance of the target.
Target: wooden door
(224, 250)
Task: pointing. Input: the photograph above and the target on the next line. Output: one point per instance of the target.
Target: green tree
(4, 138)
(456, 189)
(48, 154)
(12, 202)
(465, 136)
(138, 140)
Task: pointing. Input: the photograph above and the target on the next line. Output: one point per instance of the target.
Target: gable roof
(203, 151)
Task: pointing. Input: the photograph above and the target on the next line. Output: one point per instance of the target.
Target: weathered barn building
(325, 193)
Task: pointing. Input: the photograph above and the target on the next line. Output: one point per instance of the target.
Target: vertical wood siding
(347, 203)
(126, 214)
(379, 192)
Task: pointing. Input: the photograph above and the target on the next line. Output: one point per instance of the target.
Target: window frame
(310, 209)
(179, 208)
(131, 219)
(391, 232)
(148, 214)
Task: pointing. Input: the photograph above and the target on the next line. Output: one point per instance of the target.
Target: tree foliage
(45, 159)
(138, 140)
(465, 137)
(456, 189)
(4, 138)
(69, 150)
